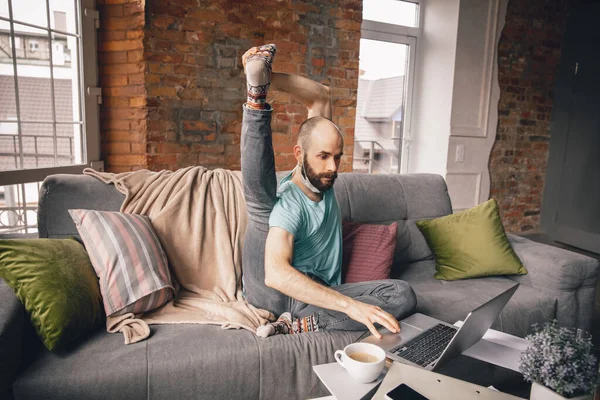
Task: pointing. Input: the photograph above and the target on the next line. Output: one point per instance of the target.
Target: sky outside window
(382, 59)
(391, 12)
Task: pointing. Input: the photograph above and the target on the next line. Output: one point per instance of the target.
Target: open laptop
(428, 342)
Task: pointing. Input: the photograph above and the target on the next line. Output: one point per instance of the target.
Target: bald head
(319, 151)
(319, 124)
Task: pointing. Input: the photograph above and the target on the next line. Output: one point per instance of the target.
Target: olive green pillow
(470, 244)
(56, 283)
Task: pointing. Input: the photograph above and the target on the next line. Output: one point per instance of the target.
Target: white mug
(369, 368)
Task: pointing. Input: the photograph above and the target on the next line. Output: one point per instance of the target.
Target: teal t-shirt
(317, 230)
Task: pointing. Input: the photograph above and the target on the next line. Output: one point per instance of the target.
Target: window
(390, 31)
(33, 46)
(48, 102)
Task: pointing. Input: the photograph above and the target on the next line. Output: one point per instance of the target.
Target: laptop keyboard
(427, 347)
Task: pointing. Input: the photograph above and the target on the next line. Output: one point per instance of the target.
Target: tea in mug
(363, 357)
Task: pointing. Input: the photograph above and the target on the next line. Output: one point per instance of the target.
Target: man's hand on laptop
(368, 315)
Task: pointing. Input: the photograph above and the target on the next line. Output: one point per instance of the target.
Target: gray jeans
(260, 190)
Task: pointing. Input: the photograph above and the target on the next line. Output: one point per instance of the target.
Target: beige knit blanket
(200, 218)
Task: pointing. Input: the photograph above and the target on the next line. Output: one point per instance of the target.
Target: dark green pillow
(56, 282)
(470, 244)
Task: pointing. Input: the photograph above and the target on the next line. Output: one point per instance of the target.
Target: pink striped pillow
(368, 251)
(128, 259)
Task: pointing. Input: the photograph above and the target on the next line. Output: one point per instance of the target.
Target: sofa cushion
(100, 367)
(368, 251)
(12, 316)
(451, 301)
(395, 198)
(55, 281)
(62, 192)
(128, 258)
(471, 244)
(184, 362)
(176, 362)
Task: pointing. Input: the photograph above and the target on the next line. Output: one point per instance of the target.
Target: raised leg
(258, 160)
(260, 185)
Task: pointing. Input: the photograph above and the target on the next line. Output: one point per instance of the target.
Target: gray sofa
(206, 362)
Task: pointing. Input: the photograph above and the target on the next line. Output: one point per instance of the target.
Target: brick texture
(174, 85)
(122, 70)
(528, 57)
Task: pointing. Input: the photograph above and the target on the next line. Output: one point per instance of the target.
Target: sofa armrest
(12, 315)
(62, 192)
(570, 277)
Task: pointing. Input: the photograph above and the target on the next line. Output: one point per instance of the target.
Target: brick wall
(173, 82)
(528, 57)
(121, 73)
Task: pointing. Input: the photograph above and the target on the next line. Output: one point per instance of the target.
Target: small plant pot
(541, 392)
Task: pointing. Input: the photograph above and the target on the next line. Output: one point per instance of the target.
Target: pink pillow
(368, 251)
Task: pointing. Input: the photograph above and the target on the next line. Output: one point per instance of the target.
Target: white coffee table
(496, 348)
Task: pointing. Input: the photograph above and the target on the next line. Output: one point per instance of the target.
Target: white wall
(456, 95)
(474, 117)
(433, 87)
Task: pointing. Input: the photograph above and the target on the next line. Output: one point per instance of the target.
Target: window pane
(38, 145)
(43, 145)
(8, 103)
(68, 144)
(30, 11)
(379, 108)
(18, 208)
(9, 147)
(40, 161)
(42, 142)
(41, 121)
(33, 71)
(4, 8)
(66, 79)
(62, 15)
(8, 163)
(391, 12)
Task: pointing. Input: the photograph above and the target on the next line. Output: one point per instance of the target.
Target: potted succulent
(559, 363)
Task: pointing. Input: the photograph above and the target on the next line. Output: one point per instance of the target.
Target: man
(293, 245)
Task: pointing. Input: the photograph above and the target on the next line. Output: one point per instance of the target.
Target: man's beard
(315, 178)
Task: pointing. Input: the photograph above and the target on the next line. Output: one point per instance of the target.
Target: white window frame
(385, 32)
(90, 96)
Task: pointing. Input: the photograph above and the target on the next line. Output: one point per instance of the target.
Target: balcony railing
(68, 158)
(370, 160)
(20, 219)
(18, 204)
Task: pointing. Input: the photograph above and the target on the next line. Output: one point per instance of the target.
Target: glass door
(381, 134)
